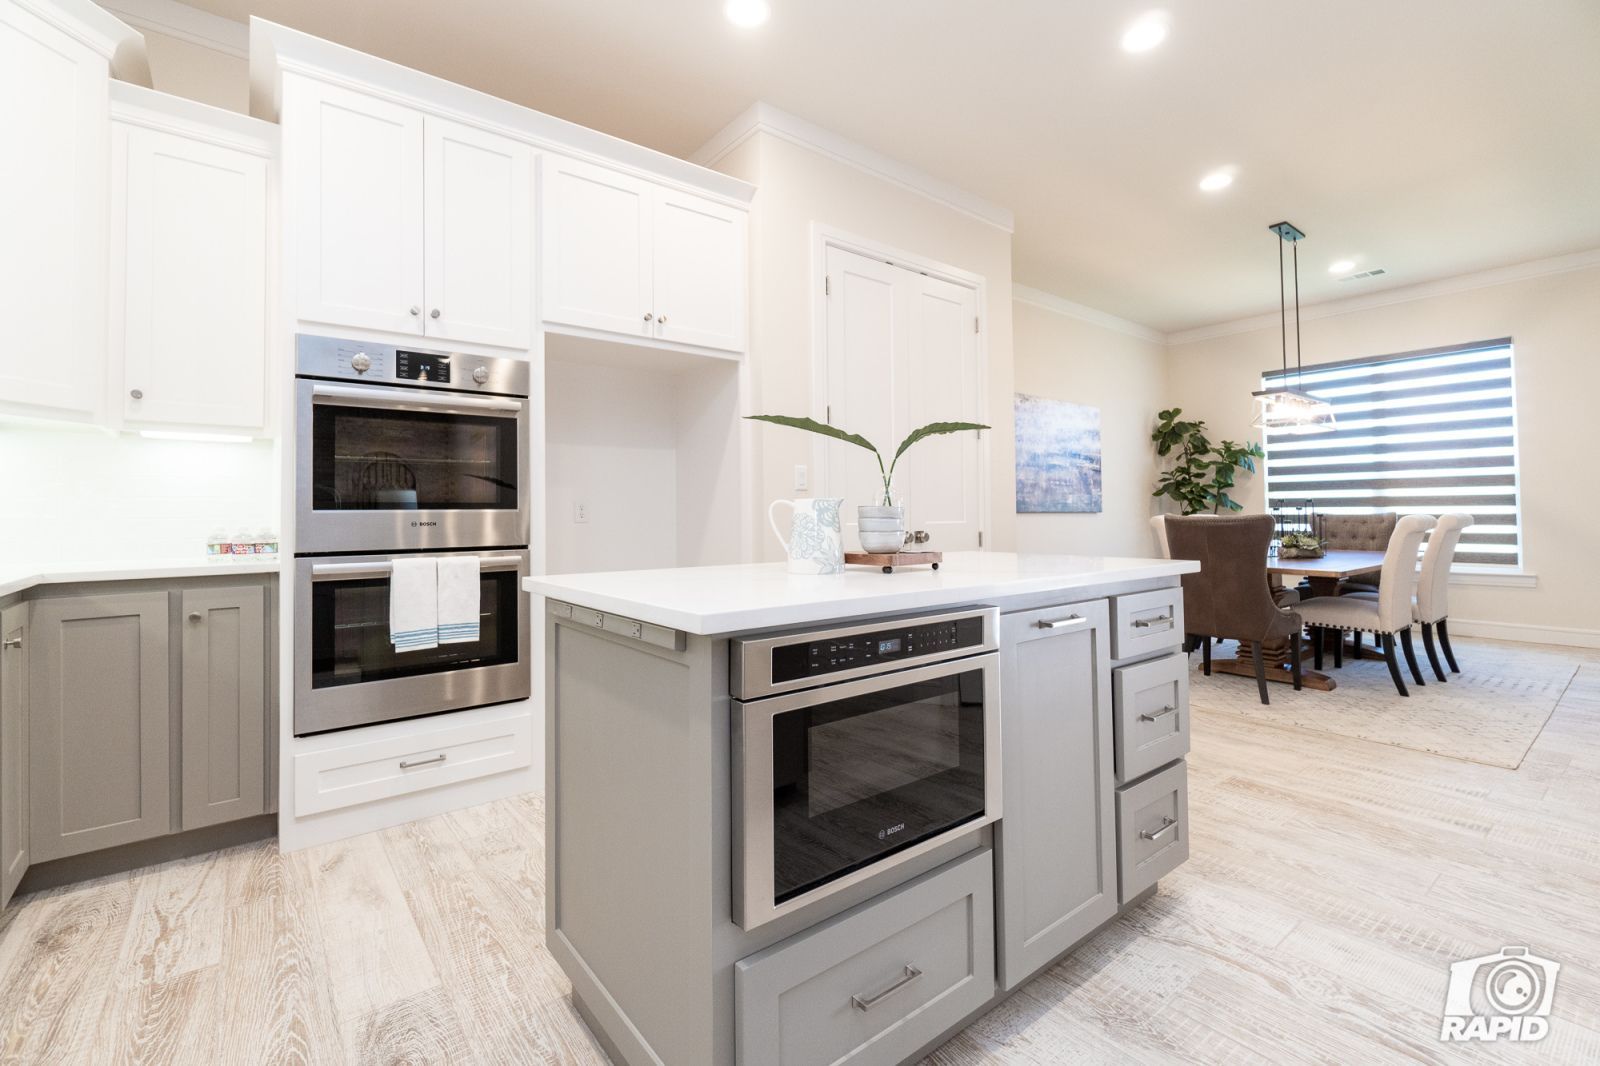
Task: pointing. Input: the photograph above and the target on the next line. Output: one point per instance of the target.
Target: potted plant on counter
(883, 523)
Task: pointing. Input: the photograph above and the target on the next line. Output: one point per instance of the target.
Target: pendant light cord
(1283, 311)
(1297, 361)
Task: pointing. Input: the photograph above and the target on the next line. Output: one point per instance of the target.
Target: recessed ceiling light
(1217, 180)
(747, 13)
(1145, 33)
(1341, 266)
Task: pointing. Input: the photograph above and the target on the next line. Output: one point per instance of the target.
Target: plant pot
(882, 529)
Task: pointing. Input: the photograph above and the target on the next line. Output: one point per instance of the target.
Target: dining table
(1323, 574)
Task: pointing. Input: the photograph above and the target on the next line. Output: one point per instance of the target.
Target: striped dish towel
(414, 605)
(458, 600)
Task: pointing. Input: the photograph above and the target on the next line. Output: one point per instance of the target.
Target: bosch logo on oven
(885, 834)
(414, 525)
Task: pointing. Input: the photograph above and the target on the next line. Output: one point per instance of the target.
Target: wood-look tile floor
(1331, 883)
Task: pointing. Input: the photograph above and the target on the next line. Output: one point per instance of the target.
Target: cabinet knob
(137, 394)
(194, 616)
(648, 316)
(662, 320)
(434, 313)
(416, 310)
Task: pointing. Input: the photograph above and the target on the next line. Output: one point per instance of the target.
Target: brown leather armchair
(1230, 599)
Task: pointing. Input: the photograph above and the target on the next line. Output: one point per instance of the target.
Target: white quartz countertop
(732, 599)
(68, 571)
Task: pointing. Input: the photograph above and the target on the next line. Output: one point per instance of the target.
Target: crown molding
(1062, 306)
(764, 118)
(1537, 268)
(173, 19)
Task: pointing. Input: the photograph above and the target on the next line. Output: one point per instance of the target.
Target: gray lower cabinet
(1152, 715)
(97, 722)
(13, 749)
(877, 983)
(1152, 828)
(223, 704)
(1055, 842)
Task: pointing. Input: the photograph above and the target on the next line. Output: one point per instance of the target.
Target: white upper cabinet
(407, 223)
(624, 255)
(700, 287)
(54, 185)
(353, 165)
(596, 248)
(191, 216)
(478, 191)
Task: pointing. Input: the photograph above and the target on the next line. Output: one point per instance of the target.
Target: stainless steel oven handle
(403, 398)
(325, 571)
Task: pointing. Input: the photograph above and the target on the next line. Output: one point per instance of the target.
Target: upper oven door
(838, 783)
(388, 468)
(348, 673)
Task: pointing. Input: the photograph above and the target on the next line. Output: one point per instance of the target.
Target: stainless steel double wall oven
(405, 451)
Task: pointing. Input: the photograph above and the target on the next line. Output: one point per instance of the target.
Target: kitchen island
(821, 819)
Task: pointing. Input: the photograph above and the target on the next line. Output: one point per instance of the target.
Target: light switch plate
(801, 478)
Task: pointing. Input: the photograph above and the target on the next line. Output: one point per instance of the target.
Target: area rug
(1490, 713)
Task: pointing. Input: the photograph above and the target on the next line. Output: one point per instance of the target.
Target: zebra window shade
(1423, 432)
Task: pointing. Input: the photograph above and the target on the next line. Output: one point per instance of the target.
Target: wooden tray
(890, 560)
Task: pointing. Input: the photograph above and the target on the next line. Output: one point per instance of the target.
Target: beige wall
(185, 69)
(1554, 323)
(796, 187)
(1066, 358)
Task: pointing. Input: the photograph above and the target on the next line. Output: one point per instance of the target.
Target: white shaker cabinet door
(596, 248)
(356, 206)
(700, 291)
(55, 127)
(479, 239)
(194, 281)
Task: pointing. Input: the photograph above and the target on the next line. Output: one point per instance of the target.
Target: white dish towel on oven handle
(413, 604)
(458, 599)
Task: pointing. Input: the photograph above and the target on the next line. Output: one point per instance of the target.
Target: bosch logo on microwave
(884, 834)
(414, 525)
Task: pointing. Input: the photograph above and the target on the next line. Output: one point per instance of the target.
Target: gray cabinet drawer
(1146, 622)
(1152, 715)
(1152, 828)
(876, 983)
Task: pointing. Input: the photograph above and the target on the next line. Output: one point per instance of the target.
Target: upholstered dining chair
(1386, 614)
(1229, 598)
(1431, 609)
(1358, 533)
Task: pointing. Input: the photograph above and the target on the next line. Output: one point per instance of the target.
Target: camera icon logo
(1504, 996)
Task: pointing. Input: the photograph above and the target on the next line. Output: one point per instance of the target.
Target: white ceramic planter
(881, 529)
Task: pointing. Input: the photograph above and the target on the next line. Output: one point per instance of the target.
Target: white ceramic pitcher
(815, 543)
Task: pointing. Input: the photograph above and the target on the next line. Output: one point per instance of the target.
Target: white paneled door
(902, 351)
(597, 255)
(479, 235)
(358, 207)
(700, 272)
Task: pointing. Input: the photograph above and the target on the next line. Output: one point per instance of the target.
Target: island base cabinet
(13, 749)
(224, 722)
(97, 722)
(1056, 845)
(1152, 828)
(874, 985)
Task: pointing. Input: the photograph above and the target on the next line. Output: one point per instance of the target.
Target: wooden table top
(1335, 564)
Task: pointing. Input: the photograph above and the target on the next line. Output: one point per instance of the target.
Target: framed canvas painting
(1058, 456)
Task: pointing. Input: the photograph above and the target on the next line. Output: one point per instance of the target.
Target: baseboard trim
(1525, 633)
(125, 857)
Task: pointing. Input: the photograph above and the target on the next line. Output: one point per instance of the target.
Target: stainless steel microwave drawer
(876, 983)
(1152, 828)
(1151, 701)
(1143, 623)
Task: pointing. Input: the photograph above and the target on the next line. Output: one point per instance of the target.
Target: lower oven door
(839, 783)
(347, 673)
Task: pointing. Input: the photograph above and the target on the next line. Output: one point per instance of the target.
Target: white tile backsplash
(70, 494)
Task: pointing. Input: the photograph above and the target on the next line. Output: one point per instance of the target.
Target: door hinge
(980, 538)
(828, 415)
(827, 285)
(975, 323)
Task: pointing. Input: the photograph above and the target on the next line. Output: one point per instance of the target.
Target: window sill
(1494, 577)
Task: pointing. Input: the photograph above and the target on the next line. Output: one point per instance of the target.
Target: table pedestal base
(1277, 661)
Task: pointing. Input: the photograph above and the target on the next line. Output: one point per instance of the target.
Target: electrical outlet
(580, 512)
(801, 480)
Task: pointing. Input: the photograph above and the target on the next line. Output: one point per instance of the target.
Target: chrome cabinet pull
(415, 310)
(866, 1003)
(194, 616)
(1072, 621)
(1158, 715)
(1158, 620)
(137, 394)
(662, 320)
(406, 765)
(648, 317)
(1156, 834)
(11, 642)
(434, 313)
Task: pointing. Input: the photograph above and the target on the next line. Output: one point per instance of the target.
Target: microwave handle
(405, 399)
(323, 571)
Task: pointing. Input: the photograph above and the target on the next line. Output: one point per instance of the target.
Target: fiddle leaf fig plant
(811, 425)
(1201, 473)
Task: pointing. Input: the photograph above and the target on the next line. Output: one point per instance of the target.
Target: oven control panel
(886, 647)
(422, 366)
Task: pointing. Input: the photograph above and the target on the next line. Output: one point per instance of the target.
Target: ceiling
(1430, 138)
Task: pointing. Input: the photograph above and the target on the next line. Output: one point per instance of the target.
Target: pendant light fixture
(1286, 409)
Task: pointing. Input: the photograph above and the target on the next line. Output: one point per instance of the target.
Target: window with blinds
(1423, 432)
